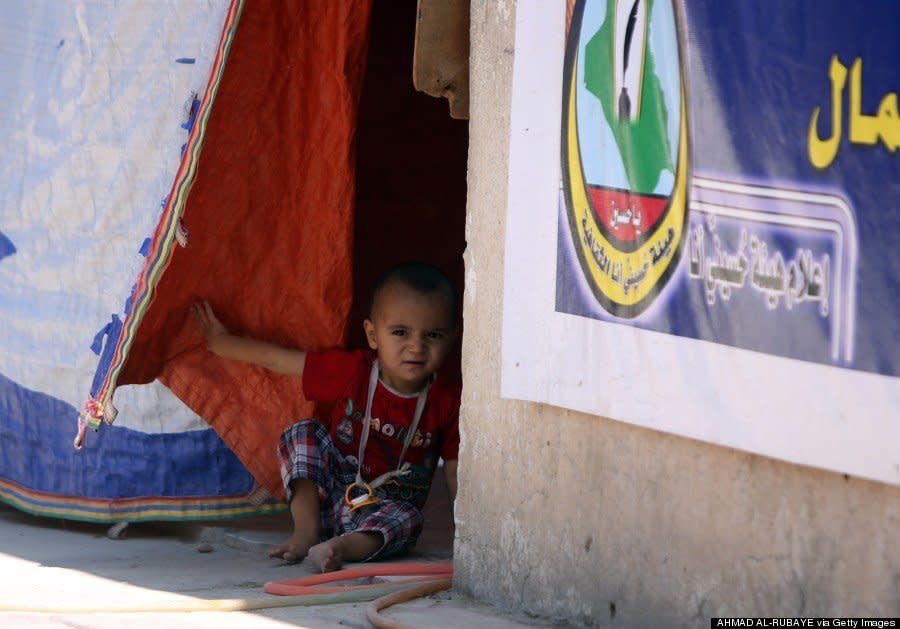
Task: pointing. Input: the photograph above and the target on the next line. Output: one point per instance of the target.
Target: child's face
(412, 333)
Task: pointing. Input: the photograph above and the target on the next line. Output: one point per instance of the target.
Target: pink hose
(420, 571)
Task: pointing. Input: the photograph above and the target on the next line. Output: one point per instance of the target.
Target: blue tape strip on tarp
(7, 248)
(111, 332)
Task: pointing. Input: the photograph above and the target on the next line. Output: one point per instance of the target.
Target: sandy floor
(44, 562)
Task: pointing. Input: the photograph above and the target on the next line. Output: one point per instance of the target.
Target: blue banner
(786, 241)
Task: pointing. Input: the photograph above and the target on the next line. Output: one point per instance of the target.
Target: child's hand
(220, 342)
(207, 322)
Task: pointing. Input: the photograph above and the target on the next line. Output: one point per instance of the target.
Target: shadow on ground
(64, 563)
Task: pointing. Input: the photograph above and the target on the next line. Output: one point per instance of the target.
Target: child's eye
(435, 335)
(398, 332)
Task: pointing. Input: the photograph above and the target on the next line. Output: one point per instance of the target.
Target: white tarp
(95, 96)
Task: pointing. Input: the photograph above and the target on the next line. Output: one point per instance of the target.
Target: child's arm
(221, 343)
(450, 475)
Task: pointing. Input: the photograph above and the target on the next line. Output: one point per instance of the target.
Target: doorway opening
(410, 197)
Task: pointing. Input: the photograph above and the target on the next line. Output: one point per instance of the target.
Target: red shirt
(341, 376)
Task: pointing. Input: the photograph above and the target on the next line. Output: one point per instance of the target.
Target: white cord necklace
(369, 497)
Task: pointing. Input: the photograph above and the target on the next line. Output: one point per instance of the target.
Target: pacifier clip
(369, 497)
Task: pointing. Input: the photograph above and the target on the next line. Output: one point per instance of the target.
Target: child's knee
(304, 428)
(400, 525)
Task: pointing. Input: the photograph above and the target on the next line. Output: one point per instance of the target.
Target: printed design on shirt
(345, 431)
(413, 487)
(388, 449)
(419, 439)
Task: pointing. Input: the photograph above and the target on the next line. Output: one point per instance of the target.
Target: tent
(171, 152)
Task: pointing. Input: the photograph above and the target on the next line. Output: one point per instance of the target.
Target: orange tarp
(270, 221)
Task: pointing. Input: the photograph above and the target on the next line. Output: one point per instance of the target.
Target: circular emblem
(624, 148)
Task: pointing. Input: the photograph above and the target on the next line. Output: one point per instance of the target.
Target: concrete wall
(564, 514)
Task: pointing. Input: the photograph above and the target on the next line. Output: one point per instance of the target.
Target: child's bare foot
(327, 556)
(293, 548)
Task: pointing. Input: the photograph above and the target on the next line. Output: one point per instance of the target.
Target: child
(356, 486)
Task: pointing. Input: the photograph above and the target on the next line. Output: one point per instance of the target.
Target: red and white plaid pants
(307, 451)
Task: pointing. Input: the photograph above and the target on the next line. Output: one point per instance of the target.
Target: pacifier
(363, 499)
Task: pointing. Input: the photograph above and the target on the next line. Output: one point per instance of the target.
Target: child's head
(411, 324)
